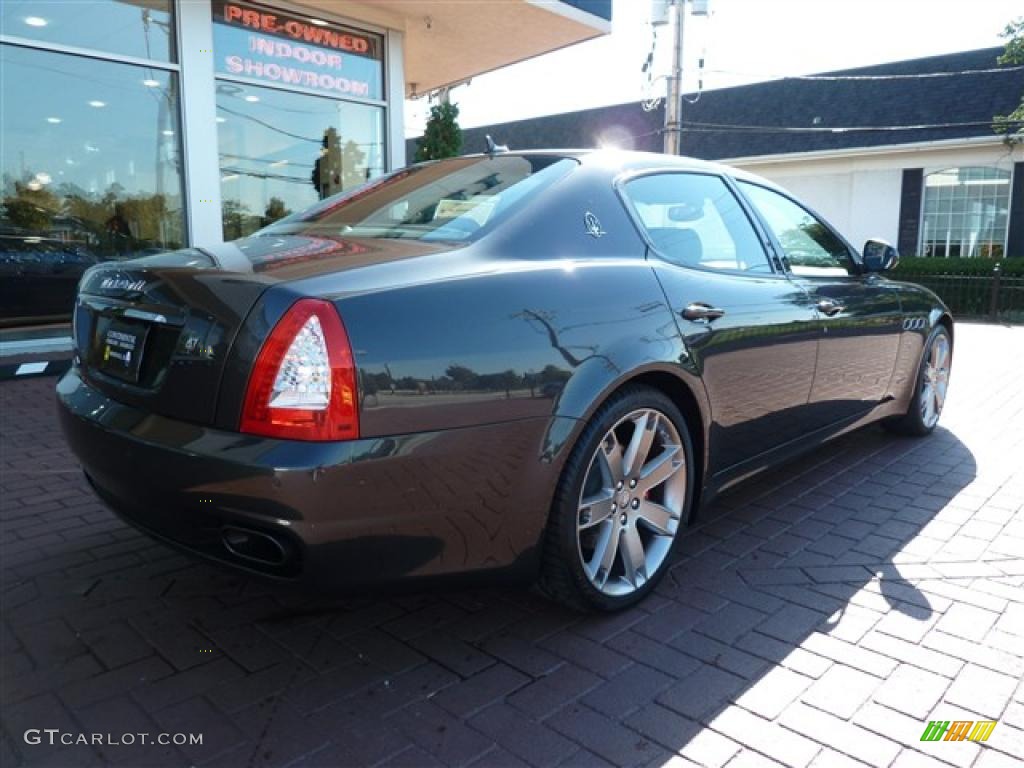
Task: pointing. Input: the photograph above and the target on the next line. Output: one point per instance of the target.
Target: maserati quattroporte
(533, 365)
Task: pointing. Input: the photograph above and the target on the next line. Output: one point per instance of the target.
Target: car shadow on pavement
(792, 603)
(776, 601)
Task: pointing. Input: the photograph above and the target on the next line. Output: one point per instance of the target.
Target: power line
(895, 76)
(265, 124)
(692, 125)
(734, 128)
(230, 171)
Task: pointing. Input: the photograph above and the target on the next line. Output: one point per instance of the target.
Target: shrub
(922, 265)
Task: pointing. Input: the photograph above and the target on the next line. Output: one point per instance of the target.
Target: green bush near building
(924, 265)
(971, 287)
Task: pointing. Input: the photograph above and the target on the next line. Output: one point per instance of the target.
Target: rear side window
(811, 248)
(694, 220)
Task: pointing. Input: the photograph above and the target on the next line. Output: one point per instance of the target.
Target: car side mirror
(879, 256)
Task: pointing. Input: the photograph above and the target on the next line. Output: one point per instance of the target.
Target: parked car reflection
(38, 276)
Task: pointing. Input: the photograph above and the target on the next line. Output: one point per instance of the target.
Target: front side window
(966, 213)
(694, 220)
(810, 247)
(455, 200)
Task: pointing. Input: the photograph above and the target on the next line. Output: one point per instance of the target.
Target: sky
(743, 41)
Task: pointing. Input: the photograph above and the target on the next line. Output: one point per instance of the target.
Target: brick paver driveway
(820, 616)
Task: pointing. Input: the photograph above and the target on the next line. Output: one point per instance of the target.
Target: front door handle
(700, 311)
(830, 307)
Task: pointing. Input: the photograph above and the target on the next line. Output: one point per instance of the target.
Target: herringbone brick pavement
(818, 616)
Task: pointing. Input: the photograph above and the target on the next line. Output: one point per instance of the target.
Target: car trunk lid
(155, 332)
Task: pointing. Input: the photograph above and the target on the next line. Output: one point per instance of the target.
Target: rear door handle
(700, 311)
(830, 307)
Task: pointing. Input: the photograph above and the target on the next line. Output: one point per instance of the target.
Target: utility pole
(674, 101)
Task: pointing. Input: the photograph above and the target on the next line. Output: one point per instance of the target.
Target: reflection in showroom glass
(282, 151)
(91, 171)
(144, 30)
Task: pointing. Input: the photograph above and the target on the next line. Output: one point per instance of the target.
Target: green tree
(464, 378)
(31, 206)
(238, 221)
(276, 209)
(353, 170)
(442, 136)
(1012, 124)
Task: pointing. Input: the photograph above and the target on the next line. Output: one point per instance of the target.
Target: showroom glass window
(91, 151)
(966, 213)
(300, 112)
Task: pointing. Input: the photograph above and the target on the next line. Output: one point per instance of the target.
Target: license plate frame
(121, 350)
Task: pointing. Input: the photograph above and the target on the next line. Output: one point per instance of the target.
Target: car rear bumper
(329, 515)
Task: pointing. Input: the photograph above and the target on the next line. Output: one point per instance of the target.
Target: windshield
(449, 200)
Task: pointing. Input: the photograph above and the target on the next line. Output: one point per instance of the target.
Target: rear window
(454, 200)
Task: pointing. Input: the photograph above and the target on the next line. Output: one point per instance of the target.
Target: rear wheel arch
(682, 395)
(563, 564)
(947, 320)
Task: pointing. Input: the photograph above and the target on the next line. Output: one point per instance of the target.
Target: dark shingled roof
(967, 98)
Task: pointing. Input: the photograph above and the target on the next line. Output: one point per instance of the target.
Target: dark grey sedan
(521, 365)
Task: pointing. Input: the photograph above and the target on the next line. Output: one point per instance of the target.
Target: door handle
(700, 311)
(830, 307)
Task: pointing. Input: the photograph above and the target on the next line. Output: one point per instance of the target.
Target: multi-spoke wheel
(934, 380)
(624, 495)
(930, 389)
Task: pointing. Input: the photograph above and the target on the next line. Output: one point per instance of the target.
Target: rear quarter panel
(528, 342)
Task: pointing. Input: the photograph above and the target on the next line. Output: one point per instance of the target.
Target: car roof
(618, 161)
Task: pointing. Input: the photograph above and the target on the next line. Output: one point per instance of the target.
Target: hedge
(922, 265)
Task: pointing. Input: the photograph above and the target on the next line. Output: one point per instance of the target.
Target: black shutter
(910, 211)
(1015, 240)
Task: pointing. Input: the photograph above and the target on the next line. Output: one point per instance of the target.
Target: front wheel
(930, 388)
(623, 497)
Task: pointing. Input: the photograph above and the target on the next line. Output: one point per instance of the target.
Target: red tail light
(303, 385)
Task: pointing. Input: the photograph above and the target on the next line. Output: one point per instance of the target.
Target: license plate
(121, 350)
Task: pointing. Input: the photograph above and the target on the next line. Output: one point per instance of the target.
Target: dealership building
(129, 127)
(903, 151)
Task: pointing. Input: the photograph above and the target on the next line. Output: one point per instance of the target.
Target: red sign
(267, 45)
(276, 24)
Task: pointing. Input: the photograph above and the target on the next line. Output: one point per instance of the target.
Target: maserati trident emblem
(592, 224)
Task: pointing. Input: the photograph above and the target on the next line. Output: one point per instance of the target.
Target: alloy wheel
(935, 380)
(631, 503)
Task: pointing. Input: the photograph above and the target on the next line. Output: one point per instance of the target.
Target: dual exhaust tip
(255, 546)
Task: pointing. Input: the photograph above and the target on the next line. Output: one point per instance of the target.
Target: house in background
(903, 151)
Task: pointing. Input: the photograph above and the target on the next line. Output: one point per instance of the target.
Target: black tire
(913, 423)
(563, 576)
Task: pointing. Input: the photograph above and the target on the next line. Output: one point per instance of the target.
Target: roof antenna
(492, 148)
